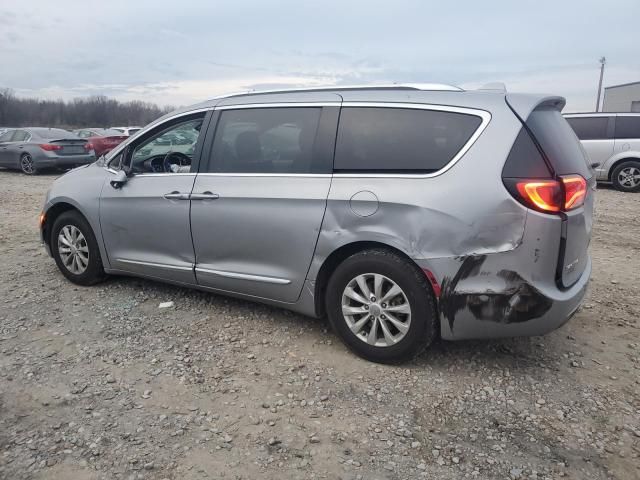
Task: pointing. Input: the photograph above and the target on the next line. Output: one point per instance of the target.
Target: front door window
(171, 150)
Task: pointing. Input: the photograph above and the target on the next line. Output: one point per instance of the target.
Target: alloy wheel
(73, 249)
(26, 164)
(376, 309)
(629, 177)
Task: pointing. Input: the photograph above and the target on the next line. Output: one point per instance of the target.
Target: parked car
(103, 140)
(128, 131)
(612, 140)
(34, 149)
(402, 213)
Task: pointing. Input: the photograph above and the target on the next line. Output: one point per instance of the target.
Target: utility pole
(602, 62)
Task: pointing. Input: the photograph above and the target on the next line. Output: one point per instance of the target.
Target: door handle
(176, 196)
(204, 196)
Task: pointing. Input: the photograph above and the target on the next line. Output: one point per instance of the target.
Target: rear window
(627, 127)
(589, 128)
(374, 139)
(558, 142)
(108, 132)
(51, 133)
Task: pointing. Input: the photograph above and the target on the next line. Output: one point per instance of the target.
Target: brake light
(552, 195)
(88, 146)
(575, 190)
(545, 195)
(49, 147)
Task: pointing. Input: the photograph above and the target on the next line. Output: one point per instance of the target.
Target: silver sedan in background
(33, 149)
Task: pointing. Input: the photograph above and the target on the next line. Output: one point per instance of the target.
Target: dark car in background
(103, 140)
(33, 149)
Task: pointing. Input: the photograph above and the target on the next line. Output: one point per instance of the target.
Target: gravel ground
(100, 383)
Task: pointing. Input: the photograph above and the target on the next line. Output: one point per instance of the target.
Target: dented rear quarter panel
(463, 211)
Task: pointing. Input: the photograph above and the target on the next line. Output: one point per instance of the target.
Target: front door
(145, 221)
(257, 209)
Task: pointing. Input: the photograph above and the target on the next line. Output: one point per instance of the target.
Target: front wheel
(75, 249)
(27, 165)
(382, 306)
(626, 176)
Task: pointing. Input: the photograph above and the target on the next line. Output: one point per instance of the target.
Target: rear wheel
(382, 306)
(626, 176)
(75, 249)
(27, 165)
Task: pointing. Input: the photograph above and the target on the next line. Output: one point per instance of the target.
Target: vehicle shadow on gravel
(512, 353)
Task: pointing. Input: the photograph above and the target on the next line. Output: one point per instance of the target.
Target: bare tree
(94, 111)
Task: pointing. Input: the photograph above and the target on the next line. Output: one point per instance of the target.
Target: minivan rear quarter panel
(452, 215)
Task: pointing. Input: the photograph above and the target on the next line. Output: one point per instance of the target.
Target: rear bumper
(518, 310)
(65, 161)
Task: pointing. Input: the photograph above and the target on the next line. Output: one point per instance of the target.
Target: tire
(392, 345)
(87, 268)
(27, 165)
(626, 176)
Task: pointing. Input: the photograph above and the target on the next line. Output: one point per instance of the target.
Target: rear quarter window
(627, 127)
(387, 140)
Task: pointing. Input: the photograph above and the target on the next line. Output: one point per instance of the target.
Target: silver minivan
(402, 213)
(612, 142)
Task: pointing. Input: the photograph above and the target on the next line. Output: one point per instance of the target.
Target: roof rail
(328, 88)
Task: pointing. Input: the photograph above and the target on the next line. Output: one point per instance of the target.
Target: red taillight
(575, 190)
(88, 146)
(553, 195)
(545, 195)
(49, 147)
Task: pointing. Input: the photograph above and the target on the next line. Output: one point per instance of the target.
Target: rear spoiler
(523, 104)
(83, 140)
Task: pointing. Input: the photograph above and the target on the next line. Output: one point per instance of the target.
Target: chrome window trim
(588, 115)
(113, 153)
(278, 105)
(163, 174)
(310, 175)
(157, 265)
(483, 114)
(245, 276)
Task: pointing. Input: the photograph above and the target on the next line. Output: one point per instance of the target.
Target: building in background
(622, 98)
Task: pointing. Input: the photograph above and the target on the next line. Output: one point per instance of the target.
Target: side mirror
(119, 179)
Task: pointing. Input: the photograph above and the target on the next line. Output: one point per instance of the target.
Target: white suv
(612, 140)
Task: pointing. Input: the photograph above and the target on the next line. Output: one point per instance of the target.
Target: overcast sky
(182, 52)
